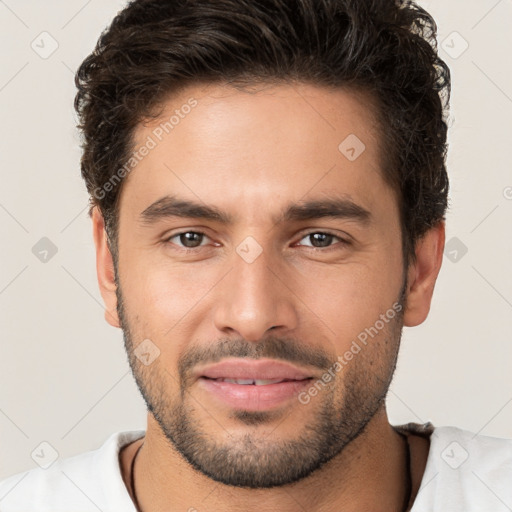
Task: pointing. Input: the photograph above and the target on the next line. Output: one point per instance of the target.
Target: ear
(105, 268)
(422, 275)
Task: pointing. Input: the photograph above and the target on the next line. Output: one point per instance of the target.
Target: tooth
(263, 382)
(257, 382)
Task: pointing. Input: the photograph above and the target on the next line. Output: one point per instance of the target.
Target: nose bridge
(253, 298)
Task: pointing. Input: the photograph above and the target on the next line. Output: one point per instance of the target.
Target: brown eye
(188, 239)
(320, 239)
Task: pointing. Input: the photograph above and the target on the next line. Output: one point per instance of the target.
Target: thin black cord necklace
(408, 483)
(132, 480)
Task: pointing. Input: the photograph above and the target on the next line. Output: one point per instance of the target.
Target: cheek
(164, 296)
(349, 298)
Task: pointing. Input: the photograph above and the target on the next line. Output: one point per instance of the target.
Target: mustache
(285, 349)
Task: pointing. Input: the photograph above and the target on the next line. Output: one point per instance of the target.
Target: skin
(251, 155)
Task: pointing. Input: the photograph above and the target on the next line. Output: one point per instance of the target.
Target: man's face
(272, 282)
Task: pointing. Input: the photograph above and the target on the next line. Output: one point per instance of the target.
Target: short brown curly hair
(386, 47)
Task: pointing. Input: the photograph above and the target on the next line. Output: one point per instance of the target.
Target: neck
(369, 474)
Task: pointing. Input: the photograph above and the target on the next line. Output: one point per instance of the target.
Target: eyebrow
(338, 208)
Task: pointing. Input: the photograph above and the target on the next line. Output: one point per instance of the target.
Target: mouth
(253, 371)
(252, 385)
(254, 382)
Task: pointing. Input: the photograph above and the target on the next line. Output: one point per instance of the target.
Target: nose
(253, 299)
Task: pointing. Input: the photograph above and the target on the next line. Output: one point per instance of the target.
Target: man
(268, 190)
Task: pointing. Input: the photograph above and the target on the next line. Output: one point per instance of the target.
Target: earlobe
(422, 275)
(105, 268)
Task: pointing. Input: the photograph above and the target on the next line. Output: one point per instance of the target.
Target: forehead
(253, 148)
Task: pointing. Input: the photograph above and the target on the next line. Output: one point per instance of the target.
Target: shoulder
(466, 471)
(458, 448)
(84, 482)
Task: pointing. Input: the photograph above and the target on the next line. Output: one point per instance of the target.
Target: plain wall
(64, 376)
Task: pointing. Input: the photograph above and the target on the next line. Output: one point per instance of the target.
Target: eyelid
(341, 239)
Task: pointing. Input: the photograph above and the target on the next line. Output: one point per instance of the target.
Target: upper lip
(264, 369)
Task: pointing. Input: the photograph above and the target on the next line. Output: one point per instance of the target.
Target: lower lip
(251, 397)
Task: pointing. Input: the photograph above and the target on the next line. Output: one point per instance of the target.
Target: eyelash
(341, 241)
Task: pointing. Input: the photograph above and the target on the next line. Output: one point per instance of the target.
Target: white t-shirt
(464, 473)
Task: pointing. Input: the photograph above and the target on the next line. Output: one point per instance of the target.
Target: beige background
(64, 377)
